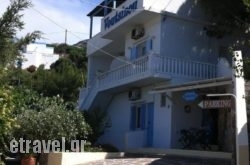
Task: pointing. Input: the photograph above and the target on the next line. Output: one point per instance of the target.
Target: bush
(97, 119)
(53, 122)
(7, 119)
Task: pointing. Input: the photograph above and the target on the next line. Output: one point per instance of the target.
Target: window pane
(141, 49)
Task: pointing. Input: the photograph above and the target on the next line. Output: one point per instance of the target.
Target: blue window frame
(141, 49)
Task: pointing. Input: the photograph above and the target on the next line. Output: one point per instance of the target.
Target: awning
(193, 85)
(98, 11)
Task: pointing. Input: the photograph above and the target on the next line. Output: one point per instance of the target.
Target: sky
(53, 17)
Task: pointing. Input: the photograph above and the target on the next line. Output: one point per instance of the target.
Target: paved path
(160, 161)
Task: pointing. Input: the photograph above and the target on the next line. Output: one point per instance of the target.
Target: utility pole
(66, 33)
(242, 153)
(241, 132)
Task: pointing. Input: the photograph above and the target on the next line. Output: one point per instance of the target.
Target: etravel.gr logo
(45, 146)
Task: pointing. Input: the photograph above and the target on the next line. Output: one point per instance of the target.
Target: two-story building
(149, 68)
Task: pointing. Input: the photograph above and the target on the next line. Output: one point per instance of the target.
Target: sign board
(120, 14)
(190, 96)
(213, 104)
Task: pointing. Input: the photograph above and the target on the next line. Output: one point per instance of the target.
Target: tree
(7, 120)
(76, 54)
(63, 79)
(227, 16)
(97, 120)
(10, 23)
(230, 18)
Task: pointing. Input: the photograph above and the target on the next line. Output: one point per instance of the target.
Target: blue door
(150, 124)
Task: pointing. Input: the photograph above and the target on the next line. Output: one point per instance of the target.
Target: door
(150, 124)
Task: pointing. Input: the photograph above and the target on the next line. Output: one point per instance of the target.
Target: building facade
(150, 67)
(38, 54)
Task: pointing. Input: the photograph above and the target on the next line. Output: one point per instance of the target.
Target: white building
(149, 67)
(37, 54)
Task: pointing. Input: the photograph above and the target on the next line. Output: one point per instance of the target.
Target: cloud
(53, 18)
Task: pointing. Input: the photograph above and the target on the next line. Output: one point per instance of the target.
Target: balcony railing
(146, 67)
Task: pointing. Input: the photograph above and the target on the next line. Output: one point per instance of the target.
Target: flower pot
(28, 160)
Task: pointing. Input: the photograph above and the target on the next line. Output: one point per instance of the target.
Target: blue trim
(133, 118)
(143, 116)
(149, 45)
(133, 53)
(150, 131)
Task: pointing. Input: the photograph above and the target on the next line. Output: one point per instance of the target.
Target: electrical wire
(54, 22)
(92, 45)
(53, 33)
(73, 34)
(103, 51)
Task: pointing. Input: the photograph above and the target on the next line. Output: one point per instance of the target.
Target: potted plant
(28, 159)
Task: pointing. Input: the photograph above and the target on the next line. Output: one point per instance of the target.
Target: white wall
(40, 48)
(224, 68)
(38, 54)
(119, 112)
(163, 5)
(96, 43)
(96, 64)
(120, 135)
(162, 123)
(187, 40)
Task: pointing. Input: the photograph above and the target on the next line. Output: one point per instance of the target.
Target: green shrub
(52, 122)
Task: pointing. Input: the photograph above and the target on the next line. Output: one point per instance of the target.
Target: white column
(242, 153)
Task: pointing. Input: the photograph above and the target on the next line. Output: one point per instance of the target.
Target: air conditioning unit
(134, 94)
(137, 33)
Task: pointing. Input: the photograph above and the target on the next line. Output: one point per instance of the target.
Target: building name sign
(212, 104)
(120, 14)
(190, 96)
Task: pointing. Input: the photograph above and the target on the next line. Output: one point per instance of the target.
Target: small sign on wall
(190, 96)
(213, 104)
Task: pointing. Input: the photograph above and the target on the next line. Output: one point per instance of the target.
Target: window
(141, 49)
(163, 99)
(138, 117)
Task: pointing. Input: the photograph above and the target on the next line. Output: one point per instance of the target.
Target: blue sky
(61, 15)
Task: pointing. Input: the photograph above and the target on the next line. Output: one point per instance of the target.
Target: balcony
(144, 71)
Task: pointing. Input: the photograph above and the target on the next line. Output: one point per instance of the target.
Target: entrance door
(150, 124)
